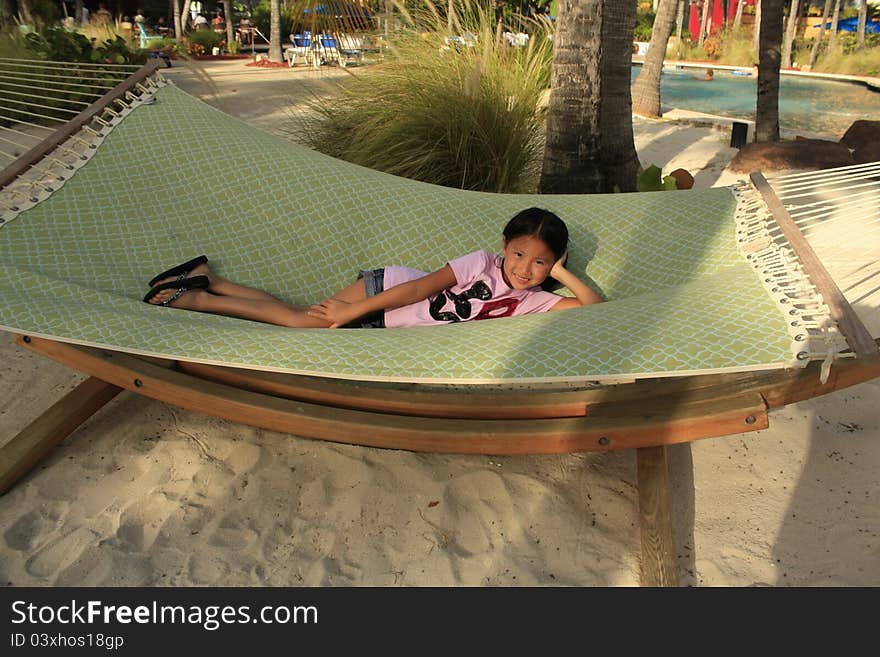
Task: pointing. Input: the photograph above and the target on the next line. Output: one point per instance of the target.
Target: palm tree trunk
(832, 38)
(814, 53)
(679, 26)
(767, 109)
(801, 21)
(863, 19)
(184, 22)
(646, 88)
(704, 22)
(789, 34)
(178, 28)
(275, 31)
(757, 29)
(590, 146)
(24, 11)
(737, 18)
(230, 28)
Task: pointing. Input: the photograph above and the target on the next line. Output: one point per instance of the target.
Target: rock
(683, 179)
(784, 155)
(867, 152)
(861, 132)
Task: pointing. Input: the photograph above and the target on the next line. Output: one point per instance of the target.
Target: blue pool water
(820, 108)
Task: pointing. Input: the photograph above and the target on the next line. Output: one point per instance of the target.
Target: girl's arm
(339, 313)
(583, 293)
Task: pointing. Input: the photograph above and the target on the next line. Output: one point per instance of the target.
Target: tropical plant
(59, 44)
(848, 60)
(443, 111)
(203, 41)
(645, 21)
(652, 180)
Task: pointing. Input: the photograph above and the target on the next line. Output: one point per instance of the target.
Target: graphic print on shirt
(497, 308)
(462, 303)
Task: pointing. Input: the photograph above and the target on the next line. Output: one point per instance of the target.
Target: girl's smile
(527, 262)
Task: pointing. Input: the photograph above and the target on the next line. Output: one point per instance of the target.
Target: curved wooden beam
(634, 423)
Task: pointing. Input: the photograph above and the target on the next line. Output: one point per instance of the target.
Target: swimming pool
(812, 107)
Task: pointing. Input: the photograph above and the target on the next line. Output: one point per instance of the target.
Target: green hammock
(176, 178)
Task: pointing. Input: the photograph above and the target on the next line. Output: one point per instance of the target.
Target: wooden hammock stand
(647, 415)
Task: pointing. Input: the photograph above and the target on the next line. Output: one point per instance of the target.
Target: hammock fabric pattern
(176, 178)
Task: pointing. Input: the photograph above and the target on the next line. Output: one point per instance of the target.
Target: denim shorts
(374, 283)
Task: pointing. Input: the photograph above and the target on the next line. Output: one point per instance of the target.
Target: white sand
(148, 494)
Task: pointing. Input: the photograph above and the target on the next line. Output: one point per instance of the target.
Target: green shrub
(644, 25)
(12, 43)
(738, 47)
(454, 115)
(201, 42)
(837, 60)
(59, 44)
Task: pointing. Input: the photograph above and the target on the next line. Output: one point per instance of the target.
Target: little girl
(479, 285)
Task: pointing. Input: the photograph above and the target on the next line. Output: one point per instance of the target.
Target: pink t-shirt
(480, 293)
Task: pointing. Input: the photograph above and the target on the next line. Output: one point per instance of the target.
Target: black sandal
(181, 285)
(180, 270)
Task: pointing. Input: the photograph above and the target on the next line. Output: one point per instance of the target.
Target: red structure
(694, 22)
(717, 17)
(731, 11)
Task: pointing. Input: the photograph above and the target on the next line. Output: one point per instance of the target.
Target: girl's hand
(337, 313)
(559, 265)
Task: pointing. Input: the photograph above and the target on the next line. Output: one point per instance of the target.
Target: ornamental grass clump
(459, 107)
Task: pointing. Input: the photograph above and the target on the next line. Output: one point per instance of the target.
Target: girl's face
(527, 262)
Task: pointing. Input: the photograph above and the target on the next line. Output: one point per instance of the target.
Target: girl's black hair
(546, 226)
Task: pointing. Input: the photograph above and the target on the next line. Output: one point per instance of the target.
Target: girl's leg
(222, 286)
(269, 310)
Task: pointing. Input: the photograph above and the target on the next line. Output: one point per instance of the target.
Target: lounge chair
(150, 42)
(299, 50)
(717, 310)
(350, 49)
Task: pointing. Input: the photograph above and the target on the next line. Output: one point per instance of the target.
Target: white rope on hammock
(89, 94)
(60, 109)
(853, 172)
(838, 190)
(48, 78)
(27, 123)
(781, 180)
(49, 107)
(35, 114)
(808, 209)
(37, 76)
